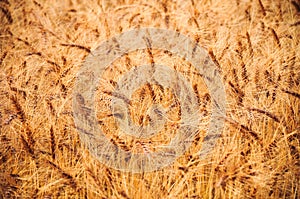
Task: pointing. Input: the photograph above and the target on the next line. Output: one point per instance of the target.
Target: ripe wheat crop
(255, 44)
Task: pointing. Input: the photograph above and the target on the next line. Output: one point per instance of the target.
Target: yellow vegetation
(255, 44)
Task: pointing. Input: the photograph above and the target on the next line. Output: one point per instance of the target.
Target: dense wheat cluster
(254, 43)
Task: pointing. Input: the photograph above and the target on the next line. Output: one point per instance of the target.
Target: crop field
(255, 47)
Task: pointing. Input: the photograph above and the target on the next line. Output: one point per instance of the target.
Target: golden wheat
(255, 45)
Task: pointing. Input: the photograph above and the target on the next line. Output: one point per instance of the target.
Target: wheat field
(254, 43)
